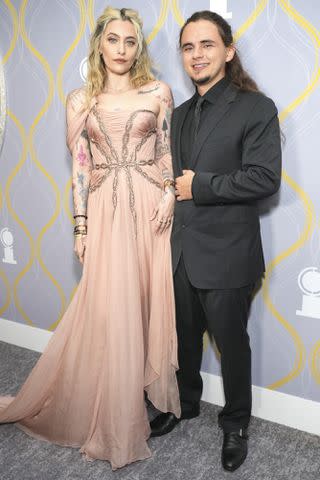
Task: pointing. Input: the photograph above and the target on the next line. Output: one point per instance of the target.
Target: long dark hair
(234, 69)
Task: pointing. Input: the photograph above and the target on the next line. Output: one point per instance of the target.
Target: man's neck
(202, 89)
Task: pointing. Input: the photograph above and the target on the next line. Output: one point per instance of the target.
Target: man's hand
(183, 185)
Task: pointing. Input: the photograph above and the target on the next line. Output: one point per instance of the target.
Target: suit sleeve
(260, 174)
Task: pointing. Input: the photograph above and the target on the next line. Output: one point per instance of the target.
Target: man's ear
(230, 53)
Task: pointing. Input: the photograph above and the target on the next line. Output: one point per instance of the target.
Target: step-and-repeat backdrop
(44, 45)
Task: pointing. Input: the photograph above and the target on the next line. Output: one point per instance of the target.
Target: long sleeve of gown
(78, 143)
(163, 151)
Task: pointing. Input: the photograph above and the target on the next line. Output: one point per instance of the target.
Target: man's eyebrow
(208, 41)
(187, 44)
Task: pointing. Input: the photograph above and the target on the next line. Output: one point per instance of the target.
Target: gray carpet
(190, 452)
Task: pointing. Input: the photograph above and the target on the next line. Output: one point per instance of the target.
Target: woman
(117, 339)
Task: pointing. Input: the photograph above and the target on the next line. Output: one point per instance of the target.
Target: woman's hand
(163, 213)
(80, 246)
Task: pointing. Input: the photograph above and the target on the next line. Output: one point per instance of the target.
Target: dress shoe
(234, 449)
(163, 423)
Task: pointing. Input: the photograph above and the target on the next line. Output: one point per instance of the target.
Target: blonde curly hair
(140, 71)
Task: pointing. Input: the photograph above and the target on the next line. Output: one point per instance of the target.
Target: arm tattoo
(165, 128)
(162, 146)
(84, 134)
(82, 157)
(82, 189)
(142, 92)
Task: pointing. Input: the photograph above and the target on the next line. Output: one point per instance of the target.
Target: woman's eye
(131, 43)
(112, 40)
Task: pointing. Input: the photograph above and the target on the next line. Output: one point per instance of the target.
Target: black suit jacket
(237, 161)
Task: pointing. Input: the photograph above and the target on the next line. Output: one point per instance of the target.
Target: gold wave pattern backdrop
(43, 44)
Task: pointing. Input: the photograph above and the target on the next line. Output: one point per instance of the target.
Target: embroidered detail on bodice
(123, 158)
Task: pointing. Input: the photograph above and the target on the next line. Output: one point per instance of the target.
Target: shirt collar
(216, 90)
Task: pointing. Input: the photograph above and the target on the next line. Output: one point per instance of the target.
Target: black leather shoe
(234, 449)
(163, 423)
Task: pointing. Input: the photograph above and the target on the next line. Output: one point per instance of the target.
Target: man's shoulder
(254, 100)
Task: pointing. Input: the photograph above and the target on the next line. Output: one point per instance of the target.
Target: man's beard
(202, 81)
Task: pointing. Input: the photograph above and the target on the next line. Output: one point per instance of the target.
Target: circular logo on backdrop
(84, 69)
(6, 237)
(309, 281)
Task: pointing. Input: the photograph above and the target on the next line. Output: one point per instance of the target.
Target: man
(226, 156)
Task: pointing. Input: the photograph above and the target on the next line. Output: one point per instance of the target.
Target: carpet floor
(191, 452)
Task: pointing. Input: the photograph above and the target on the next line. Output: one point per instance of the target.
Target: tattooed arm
(81, 155)
(163, 152)
(164, 212)
(78, 143)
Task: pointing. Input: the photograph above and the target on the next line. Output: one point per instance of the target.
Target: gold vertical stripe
(53, 184)
(81, 30)
(241, 30)
(14, 215)
(82, 25)
(315, 38)
(300, 356)
(90, 14)
(15, 23)
(7, 300)
(176, 12)
(250, 20)
(314, 362)
(6, 56)
(160, 22)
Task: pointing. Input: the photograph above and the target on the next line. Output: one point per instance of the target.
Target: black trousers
(224, 314)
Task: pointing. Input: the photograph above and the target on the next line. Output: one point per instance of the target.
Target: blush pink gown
(117, 338)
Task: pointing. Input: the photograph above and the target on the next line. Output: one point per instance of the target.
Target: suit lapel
(179, 118)
(216, 113)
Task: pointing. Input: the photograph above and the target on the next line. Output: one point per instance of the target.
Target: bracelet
(168, 183)
(84, 216)
(80, 230)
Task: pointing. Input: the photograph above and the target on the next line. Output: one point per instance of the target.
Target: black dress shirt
(187, 134)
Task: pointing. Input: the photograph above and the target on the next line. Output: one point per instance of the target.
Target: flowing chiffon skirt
(117, 339)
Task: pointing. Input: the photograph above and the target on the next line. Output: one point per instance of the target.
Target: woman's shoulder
(77, 98)
(157, 87)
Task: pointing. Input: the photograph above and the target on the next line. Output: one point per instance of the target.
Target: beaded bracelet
(168, 183)
(80, 230)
